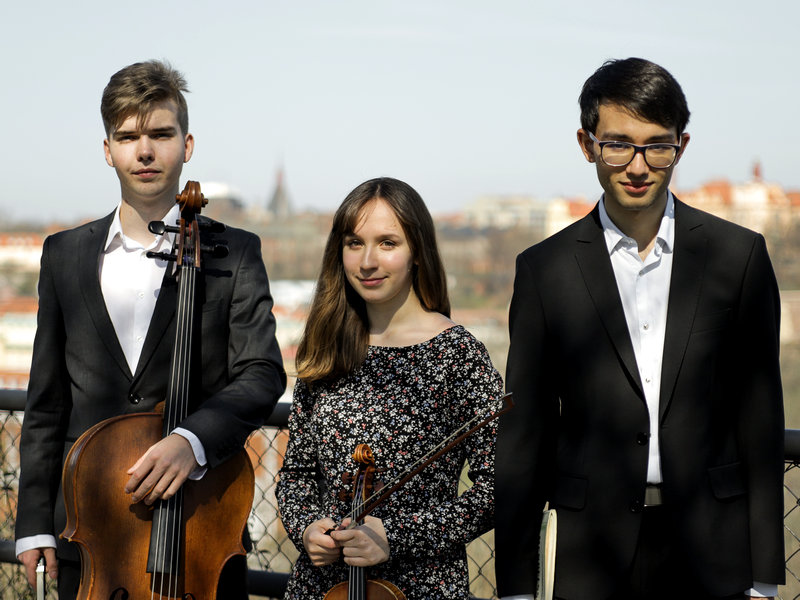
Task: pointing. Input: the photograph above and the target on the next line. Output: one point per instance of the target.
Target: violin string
(354, 591)
(422, 459)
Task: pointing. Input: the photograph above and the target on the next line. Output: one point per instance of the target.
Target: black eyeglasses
(620, 154)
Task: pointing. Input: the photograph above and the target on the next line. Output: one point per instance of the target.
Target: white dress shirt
(644, 290)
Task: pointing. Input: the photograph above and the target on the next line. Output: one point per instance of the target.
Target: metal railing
(273, 554)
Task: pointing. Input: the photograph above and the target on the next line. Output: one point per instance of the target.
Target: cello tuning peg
(161, 255)
(212, 226)
(216, 251)
(159, 228)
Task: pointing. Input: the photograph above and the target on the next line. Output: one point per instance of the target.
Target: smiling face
(377, 257)
(635, 187)
(148, 156)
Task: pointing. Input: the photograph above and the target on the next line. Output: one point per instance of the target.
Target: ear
(684, 143)
(587, 145)
(107, 152)
(188, 147)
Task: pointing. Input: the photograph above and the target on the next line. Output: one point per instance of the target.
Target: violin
(367, 496)
(175, 549)
(358, 587)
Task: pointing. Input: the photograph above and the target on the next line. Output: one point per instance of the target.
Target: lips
(146, 173)
(636, 187)
(371, 282)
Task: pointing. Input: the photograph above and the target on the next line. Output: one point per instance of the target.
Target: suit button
(642, 438)
(636, 506)
(134, 399)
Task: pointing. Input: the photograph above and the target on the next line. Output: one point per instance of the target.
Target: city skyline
(459, 99)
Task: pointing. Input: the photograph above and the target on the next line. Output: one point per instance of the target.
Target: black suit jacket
(79, 375)
(579, 433)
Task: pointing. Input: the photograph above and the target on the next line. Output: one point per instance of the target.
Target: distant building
(279, 205)
(542, 217)
(756, 204)
(21, 250)
(17, 330)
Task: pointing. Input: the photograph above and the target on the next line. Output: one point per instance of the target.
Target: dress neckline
(422, 343)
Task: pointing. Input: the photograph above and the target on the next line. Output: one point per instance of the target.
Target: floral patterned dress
(402, 402)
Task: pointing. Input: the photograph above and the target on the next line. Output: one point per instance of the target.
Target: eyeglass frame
(636, 150)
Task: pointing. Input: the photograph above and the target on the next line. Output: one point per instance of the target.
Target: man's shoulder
(713, 226)
(584, 228)
(72, 235)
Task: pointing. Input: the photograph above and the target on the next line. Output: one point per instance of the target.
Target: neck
(136, 216)
(386, 320)
(641, 225)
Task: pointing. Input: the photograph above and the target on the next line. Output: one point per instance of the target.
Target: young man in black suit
(644, 367)
(106, 328)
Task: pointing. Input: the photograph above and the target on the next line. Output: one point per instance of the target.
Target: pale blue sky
(458, 98)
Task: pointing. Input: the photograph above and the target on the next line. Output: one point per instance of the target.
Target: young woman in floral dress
(381, 363)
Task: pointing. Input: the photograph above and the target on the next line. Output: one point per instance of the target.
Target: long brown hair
(336, 334)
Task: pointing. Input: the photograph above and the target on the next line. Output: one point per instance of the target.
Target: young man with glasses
(644, 366)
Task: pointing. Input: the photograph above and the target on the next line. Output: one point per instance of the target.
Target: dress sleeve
(297, 491)
(476, 387)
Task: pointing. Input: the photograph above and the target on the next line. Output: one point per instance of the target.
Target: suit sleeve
(46, 413)
(761, 422)
(255, 375)
(525, 452)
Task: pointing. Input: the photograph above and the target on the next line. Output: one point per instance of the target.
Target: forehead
(618, 122)
(162, 115)
(377, 215)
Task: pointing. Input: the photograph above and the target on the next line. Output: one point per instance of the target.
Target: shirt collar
(665, 235)
(116, 238)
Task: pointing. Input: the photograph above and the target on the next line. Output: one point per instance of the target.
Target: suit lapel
(598, 275)
(89, 273)
(688, 266)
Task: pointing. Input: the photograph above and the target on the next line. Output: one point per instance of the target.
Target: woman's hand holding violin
(365, 545)
(322, 549)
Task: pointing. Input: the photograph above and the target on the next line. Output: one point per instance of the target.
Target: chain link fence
(273, 552)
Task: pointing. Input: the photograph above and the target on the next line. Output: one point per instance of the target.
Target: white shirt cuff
(197, 449)
(762, 590)
(31, 542)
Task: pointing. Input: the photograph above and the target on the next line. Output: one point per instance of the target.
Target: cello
(175, 549)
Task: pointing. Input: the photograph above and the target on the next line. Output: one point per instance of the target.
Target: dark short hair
(644, 88)
(137, 88)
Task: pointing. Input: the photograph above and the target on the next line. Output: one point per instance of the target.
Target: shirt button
(646, 326)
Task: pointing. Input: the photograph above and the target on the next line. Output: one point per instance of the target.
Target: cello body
(113, 535)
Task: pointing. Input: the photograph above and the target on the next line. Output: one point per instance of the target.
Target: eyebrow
(150, 131)
(666, 138)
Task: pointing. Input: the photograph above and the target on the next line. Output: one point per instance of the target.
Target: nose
(369, 258)
(638, 165)
(144, 149)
